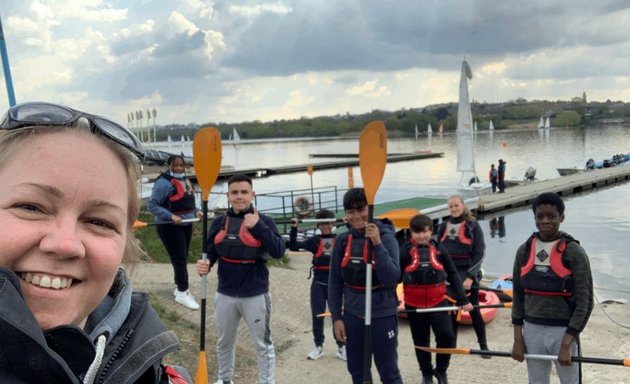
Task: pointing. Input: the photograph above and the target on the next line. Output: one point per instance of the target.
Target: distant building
(584, 97)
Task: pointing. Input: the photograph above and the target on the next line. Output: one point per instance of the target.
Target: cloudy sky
(232, 61)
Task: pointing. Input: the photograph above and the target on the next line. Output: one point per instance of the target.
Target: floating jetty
(352, 161)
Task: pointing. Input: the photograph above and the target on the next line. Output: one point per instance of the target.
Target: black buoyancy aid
(235, 244)
(459, 245)
(182, 200)
(321, 258)
(424, 278)
(547, 275)
(353, 264)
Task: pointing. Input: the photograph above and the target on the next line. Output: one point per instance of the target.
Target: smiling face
(240, 195)
(64, 212)
(422, 237)
(357, 217)
(455, 207)
(548, 221)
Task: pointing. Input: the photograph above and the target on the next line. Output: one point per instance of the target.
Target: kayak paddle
(577, 359)
(439, 309)
(372, 161)
(207, 161)
(141, 224)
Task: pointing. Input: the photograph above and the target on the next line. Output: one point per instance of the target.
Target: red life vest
(235, 244)
(321, 258)
(547, 280)
(353, 265)
(182, 200)
(459, 247)
(424, 279)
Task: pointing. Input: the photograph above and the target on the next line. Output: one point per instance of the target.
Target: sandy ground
(291, 331)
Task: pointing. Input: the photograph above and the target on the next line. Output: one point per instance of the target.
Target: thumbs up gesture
(251, 219)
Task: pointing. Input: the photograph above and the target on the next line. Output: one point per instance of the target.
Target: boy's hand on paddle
(203, 267)
(518, 349)
(372, 233)
(468, 307)
(176, 219)
(251, 219)
(564, 357)
(339, 329)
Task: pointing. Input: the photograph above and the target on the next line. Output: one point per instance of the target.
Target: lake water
(599, 219)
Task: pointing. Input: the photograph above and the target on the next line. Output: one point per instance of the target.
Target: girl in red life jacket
(321, 247)
(425, 269)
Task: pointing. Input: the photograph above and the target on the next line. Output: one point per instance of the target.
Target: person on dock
(493, 177)
(501, 176)
(552, 294)
(346, 289)
(425, 268)
(242, 241)
(463, 239)
(173, 200)
(321, 247)
(68, 200)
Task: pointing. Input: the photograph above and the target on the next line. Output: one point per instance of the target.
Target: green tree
(567, 118)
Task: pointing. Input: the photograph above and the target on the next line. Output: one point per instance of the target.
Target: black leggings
(421, 325)
(176, 240)
(475, 316)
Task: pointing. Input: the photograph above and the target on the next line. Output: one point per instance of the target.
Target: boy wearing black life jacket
(321, 247)
(241, 241)
(425, 269)
(346, 289)
(552, 294)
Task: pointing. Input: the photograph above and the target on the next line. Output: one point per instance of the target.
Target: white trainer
(175, 292)
(316, 353)
(224, 382)
(341, 353)
(186, 299)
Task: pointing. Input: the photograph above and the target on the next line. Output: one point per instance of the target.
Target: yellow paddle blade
(138, 224)
(453, 351)
(372, 157)
(207, 158)
(400, 217)
(202, 370)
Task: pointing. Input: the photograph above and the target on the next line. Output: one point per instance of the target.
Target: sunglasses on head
(54, 115)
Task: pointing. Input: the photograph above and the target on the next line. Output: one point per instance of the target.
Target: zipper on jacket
(111, 360)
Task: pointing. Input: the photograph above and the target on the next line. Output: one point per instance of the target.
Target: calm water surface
(600, 219)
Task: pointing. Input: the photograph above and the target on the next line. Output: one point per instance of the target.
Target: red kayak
(485, 298)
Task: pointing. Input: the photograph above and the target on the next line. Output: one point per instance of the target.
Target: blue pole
(7, 69)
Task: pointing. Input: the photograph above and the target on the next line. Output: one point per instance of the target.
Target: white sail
(491, 126)
(429, 129)
(441, 128)
(541, 123)
(475, 126)
(547, 123)
(235, 136)
(465, 141)
(416, 132)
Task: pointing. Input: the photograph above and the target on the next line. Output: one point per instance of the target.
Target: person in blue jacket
(346, 290)
(321, 247)
(241, 242)
(172, 201)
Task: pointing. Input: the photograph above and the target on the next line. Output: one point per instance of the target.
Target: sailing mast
(465, 137)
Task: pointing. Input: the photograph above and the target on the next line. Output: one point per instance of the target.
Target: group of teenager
(552, 288)
(69, 314)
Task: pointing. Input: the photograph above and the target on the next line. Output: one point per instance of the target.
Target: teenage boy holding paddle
(346, 288)
(552, 294)
(241, 241)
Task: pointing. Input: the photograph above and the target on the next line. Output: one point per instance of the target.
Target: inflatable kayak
(485, 298)
(503, 287)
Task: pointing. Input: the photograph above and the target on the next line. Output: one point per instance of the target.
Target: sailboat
(491, 126)
(547, 123)
(235, 136)
(469, 181)
(475, 127)
(541, 123)
(416, 131)
(429, 129)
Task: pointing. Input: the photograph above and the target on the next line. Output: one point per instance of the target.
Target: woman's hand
(176, 219)
(203, 267)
